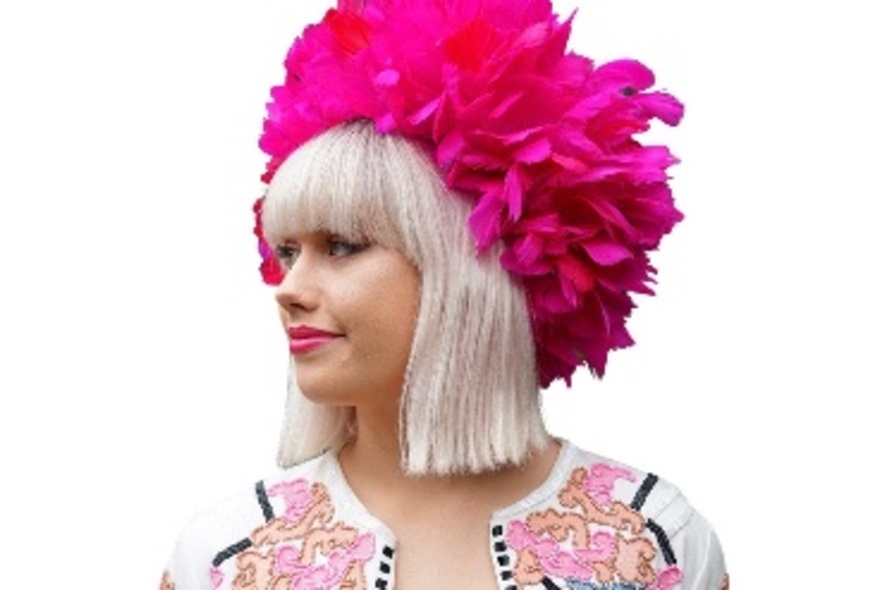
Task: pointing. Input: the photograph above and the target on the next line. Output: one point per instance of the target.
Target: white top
(594, 524)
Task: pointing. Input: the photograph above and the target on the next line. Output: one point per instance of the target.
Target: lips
(305, 339)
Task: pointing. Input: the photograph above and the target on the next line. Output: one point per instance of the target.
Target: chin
(324, 393)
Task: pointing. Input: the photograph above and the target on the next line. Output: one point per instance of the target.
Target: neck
(376, 447)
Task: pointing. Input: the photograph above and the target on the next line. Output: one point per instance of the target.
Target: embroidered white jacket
(594, 524)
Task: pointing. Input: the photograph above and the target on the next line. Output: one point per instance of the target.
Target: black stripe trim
(230, 551)
(665, 547)
(549, 585)
(263, 499)
(643, 492)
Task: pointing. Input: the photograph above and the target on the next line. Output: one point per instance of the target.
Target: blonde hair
(470, 400)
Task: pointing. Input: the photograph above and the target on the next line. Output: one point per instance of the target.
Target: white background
(143, 368)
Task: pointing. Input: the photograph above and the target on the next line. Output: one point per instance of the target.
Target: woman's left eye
(338, 247)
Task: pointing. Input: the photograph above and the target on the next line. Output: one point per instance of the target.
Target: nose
(299, 289)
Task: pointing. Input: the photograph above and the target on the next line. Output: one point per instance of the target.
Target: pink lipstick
(305, 339)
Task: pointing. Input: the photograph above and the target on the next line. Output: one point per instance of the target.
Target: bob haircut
(470, 399)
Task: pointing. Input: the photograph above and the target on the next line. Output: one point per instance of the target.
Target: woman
(456, 214)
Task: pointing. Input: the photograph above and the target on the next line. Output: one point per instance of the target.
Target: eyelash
(287, 253)
(347, 247)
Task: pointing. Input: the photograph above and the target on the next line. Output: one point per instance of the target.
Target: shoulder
(601, 521)
(605, 481)
(683, 536)
(227, 527)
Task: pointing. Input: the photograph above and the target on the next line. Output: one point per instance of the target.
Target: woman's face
(349, 310)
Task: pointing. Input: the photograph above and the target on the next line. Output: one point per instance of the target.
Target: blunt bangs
(341, 182)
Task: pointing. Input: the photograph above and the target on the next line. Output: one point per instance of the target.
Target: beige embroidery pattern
(304, 549)
(596, 540)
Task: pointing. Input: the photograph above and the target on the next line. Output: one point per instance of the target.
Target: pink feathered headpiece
(538, 139)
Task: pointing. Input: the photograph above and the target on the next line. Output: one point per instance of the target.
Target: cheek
(406, 307)
(283, 317)
(402, 306)
(385, 316)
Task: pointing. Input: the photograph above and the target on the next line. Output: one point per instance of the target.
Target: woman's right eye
(286, 254)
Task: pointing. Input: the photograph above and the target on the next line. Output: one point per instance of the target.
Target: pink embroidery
(308, 576)
(305, 549)
(596, 540)
(600, 480)
(296, 496)
(216, 578)
(667, 579)
(558, 561)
